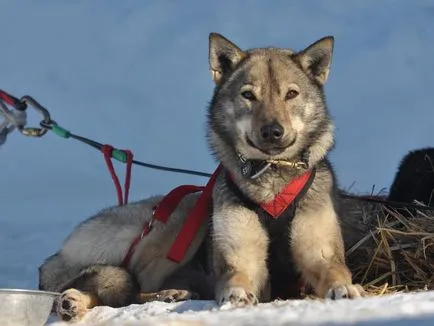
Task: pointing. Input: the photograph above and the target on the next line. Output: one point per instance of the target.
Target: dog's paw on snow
(234, 297)
(71, 305)
(346, 291)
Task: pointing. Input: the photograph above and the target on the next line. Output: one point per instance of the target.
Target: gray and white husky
(268, 126)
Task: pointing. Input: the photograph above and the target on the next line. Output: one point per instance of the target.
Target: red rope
(9, 99)
(128, 175)
(107, 151)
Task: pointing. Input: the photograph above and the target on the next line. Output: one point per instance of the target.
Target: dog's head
(269, 103)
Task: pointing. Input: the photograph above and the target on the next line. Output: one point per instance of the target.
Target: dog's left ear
(223, 56)
(316, 59)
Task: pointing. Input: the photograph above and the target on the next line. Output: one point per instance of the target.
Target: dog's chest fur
(284, 277)
(280, 261)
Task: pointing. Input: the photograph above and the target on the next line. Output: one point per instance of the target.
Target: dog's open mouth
(271, 150)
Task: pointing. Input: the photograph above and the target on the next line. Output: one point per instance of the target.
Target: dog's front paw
(71, 305)
(346, 291)
(237, 297)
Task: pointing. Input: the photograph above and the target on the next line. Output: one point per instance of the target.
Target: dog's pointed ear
(316, 59)
(223, 56)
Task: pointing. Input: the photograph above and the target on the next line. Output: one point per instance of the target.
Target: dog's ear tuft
(316, 59)
(288, 52)
(223, 56)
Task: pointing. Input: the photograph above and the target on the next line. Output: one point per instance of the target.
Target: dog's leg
(96, 285)
(164, 280)
(155, 272)
(74, 304)
(318, 252)
(335, 282)
(161, 280)
(191, 282)
(239, 256)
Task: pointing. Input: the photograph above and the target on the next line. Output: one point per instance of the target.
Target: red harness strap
(199, 212)
(287, 195)
(145, 231)
(161, 213)
(195, 219)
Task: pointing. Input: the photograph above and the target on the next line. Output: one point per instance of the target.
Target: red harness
(286, 196)
(200, 210)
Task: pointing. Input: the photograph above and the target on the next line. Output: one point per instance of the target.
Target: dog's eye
(292, 93)
(248, 95)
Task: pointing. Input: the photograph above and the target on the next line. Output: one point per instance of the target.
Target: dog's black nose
(272, 132)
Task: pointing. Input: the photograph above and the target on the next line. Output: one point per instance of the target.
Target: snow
(135, 74)
(397, 309)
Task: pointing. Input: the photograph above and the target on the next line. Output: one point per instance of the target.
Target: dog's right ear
(223, 56)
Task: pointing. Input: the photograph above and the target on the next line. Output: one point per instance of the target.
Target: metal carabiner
(34, 131)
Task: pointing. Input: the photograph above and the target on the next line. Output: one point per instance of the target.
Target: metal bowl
(25, 307)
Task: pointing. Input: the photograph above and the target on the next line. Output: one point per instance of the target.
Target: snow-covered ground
(399, 309)
(135, 74)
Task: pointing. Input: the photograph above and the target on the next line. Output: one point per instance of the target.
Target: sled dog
(415, 178)
(273, 221)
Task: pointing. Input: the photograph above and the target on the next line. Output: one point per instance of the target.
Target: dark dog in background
(414, 180)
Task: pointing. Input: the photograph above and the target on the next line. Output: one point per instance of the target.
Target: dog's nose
(272, 132)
